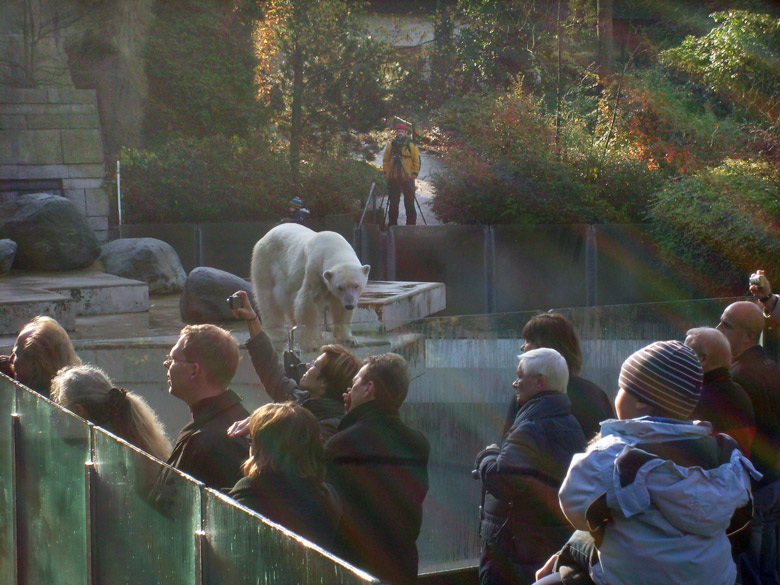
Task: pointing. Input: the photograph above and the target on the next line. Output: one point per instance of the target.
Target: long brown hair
(285, 440)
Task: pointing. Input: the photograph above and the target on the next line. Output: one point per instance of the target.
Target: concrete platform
(393, 303)
(64, 295)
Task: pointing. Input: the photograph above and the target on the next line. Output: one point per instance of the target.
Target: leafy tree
(716, 226)
(200, 65)
(739, 58)
(320, 71)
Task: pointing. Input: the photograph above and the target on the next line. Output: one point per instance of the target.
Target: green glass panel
(51, 491)
(242, 548)
(7, 391)
(145, 517)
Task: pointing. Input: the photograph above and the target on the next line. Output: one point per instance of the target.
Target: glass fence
(79, 505)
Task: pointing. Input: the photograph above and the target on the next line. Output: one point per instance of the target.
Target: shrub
(719, 225)
(739, 58)
(504, 166)
(231, 179)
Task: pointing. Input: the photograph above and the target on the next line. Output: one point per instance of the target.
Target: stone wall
(53, 135)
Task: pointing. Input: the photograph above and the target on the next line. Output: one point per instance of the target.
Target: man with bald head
(723, 402)
(742, 324)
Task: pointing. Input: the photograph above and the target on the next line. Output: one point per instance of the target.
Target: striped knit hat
(665, 374)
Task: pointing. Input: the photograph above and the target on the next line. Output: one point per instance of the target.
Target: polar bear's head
(346, 282)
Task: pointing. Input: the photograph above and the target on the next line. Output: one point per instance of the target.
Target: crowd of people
(678, 483)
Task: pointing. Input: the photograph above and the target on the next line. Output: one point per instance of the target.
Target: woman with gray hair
(89, 392)
(521, 521)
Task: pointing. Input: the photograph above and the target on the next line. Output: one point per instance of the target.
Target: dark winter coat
(589, 404)
(309, 508)
(522, 523)
(760, 378)
(726, 406)
(379, 466)
(203, 449)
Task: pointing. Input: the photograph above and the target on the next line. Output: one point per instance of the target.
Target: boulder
(146, 259)
(205, 292)
(50, 232)
(7, 253)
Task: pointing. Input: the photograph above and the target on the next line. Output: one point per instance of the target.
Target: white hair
(548, 363)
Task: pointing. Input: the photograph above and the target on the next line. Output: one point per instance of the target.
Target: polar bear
(298, 272)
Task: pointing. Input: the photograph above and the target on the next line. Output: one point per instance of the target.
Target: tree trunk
(605, 58)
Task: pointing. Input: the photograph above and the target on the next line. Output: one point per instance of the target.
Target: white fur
(298, 272)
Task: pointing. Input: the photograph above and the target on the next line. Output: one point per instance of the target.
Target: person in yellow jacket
(401, 165)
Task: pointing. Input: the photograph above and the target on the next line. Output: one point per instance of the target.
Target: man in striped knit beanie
(653, 496)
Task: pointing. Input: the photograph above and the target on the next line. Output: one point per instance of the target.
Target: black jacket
(760, 377)
(727, 407)
(304, 506)
(380, 468)
(280, 388)
(203, 449)
(522, 524)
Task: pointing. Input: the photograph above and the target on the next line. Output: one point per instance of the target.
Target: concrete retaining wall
(486, 269)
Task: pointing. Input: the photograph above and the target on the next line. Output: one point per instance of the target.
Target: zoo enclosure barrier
(486, 269)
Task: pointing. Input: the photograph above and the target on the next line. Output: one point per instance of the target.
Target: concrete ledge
(394, 303)
(19, 303)
(64, 295)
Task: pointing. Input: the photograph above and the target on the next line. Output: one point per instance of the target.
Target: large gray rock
(205, 294)
(7, 253)
(50, 232)
(146, 259)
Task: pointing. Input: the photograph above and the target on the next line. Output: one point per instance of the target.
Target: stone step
(63, 295)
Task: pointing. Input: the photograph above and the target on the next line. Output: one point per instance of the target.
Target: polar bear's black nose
(349, 307)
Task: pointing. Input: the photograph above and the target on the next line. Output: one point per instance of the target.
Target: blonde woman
(41, 349)
(89, 392)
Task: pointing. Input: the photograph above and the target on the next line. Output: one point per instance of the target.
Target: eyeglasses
(169, 359)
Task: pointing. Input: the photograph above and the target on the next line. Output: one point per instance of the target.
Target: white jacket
(668, 521)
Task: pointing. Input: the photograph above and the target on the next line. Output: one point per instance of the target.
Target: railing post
(18, 469)
(89, 482)
(489, 251)
(591, 266)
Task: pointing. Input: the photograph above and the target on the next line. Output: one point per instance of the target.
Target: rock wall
(50, 140)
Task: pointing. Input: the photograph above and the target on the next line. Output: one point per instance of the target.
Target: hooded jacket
(658, 494)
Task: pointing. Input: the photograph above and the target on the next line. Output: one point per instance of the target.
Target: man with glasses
(200, 367)
(742, 323)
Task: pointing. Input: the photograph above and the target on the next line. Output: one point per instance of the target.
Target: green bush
(716, 227)
(221, 179)
(503, 166)
(739, 58)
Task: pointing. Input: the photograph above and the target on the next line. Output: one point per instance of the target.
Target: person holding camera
(401, 165)
(762, 290)
(320, 386)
